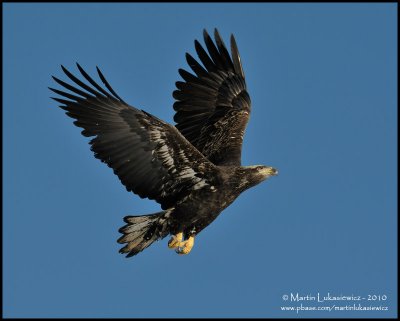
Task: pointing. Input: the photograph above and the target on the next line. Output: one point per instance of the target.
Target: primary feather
(213, 105)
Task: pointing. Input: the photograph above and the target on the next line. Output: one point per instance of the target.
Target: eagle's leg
(186, 246)
(175, 241)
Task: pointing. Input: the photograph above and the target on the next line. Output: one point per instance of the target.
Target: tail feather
(141, 231)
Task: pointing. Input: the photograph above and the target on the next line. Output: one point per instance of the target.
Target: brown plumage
(192, 170)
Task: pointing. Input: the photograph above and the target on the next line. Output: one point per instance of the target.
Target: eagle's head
(261, 172)
(253, 175)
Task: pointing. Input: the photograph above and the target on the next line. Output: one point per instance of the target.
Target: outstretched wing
(150, 157)
(213, 106)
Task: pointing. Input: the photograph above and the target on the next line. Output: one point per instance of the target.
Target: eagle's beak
(273, 171)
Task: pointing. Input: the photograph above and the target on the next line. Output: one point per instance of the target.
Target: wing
(150, 157)
(213, 106)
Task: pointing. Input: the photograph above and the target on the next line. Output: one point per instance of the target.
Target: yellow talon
(186, 246)
(182, 247)
(175, 241)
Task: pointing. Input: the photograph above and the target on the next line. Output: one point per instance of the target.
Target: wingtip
(99, 72)
(82, 71)
(189, 58)
(233, 43)
(205, 34)
(67, 72)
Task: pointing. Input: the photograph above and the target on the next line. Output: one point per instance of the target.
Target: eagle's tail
(141, 231)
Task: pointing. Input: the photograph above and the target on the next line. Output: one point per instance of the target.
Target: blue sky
(323, 80)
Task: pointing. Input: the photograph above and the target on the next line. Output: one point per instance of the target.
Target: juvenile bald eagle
(193, 169)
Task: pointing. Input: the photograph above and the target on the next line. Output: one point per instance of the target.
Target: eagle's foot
(175, 241)
(186, 246)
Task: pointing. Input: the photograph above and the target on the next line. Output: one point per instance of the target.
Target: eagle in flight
(193, 169)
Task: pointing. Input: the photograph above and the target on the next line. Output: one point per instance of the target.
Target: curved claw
(186, 246)
(175, 241)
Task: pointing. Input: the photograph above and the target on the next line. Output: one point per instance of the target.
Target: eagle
(193, 169)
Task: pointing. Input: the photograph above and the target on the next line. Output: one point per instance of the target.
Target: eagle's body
(198, 209)
(194, 169)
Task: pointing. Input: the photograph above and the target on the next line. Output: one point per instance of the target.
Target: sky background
(323, 84)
